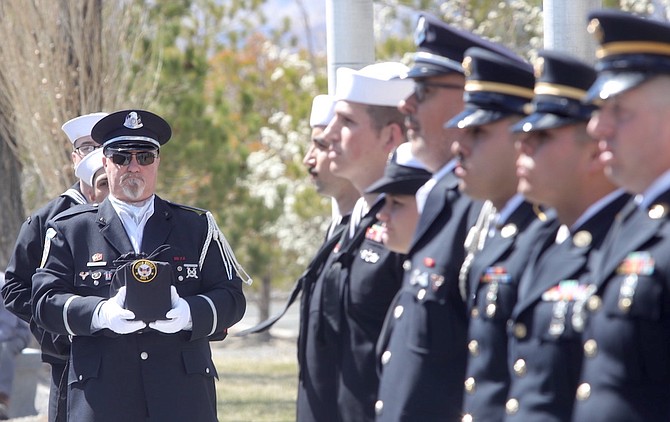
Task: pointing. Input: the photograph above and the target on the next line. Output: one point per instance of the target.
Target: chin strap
(229, 260)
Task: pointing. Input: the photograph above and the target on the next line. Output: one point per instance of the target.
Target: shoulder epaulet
(77, 209)
(200, 211)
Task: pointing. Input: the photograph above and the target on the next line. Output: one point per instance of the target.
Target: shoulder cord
(474, 243)
(229, 260)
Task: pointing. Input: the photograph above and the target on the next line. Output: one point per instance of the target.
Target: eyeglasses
(84, 150)
(421, 88)
(122, 158)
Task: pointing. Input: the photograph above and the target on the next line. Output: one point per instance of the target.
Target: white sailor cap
(377, 84)
(89, 166)
(81, 126)
(323, 110)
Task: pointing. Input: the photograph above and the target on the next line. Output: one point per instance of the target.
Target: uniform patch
(640, 263)
(144, 270)
(50, 234)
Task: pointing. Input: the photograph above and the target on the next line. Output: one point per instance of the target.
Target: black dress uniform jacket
(423, 346)
(626, 369)
(317, 359)
(493, 280)
(357, 286)
(24, 262)
(147, 375)
(545, 352)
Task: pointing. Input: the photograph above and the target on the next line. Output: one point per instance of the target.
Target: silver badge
(191, 270)
(133, 120)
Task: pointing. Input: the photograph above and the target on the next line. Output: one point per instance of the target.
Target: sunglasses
(122, 158)
(421, 88)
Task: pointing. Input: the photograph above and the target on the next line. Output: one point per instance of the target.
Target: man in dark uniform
(496, 90)
(626, 344)
(359, 280)
(422, 347)
(558, 166)
(28, 250)
(161, 370)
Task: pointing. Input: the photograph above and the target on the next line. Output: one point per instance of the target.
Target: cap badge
(133, 121)
(420, 32)
(467, 66)
(595, 29)
(144, 270)
(539, 67)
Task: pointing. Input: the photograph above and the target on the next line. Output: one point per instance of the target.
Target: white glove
(179, 317)
(112, 315)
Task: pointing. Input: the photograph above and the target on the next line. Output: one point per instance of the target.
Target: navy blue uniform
(346, 314)
(317, 359)
(544, 340)
(151, 376)
(423, 346)
(493, 279)
(626, 369)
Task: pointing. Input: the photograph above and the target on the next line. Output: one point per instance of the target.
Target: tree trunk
(10, 202)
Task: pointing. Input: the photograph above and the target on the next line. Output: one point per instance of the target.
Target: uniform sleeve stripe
(65, 308)
(214, 314)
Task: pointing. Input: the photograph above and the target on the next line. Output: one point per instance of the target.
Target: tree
(59, 60)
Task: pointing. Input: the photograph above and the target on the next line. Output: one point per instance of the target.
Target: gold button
(474, 313)
(594, 303)
(470, 385)
(473, 347)
(421, 294)
(520, 367)
(467, 418)
(398, 311)
(386, 357)
(520, 330)
(512, 406)
(590, 348)
(379, 406)
(583, 391)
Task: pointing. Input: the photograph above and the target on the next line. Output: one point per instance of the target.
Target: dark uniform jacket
(317, 359)
(544, 339)
(23, 264)
(423, 346)
(147, 375)
(493, 279)
(626, 369)
(357, 286)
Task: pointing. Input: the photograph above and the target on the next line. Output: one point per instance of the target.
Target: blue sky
(276, 10)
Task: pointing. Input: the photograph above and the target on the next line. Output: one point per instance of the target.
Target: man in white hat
(91, 172)
(336, 352)
(28, 251)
